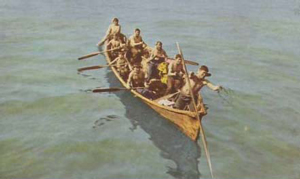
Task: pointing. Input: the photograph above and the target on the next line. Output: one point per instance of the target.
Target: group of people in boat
(151, 72)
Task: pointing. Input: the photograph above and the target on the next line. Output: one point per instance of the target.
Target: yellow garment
(163, 72)
(164, 79)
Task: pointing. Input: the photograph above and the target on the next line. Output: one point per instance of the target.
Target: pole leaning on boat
(197, 115)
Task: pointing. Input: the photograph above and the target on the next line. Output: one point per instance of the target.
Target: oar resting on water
(93, 67)
(102, 66)
(100, 90)
(97, 53)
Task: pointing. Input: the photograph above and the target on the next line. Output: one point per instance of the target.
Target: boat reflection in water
(174, 145)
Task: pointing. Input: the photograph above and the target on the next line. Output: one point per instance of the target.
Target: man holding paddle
(113, 29)
(116, 44)
(123, 65)
(136, 80)
(136, 47)
(196, 82)
(175, 74)
(136, 77)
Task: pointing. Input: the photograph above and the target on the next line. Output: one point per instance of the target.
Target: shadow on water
(173, 144)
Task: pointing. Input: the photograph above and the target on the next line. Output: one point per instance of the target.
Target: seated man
(197, 82)
(136, 77)
(157, 87)
(116, 45)
(136, 45)
(113, 29)
(123, 66)
(175, 73)
(157, 56)
(136, 80)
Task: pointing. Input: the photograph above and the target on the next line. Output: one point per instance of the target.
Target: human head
(115, 21)
(137, 32)
(203, 72)
(121, 54)
(178, 58)
(158, 45)
(137, 67)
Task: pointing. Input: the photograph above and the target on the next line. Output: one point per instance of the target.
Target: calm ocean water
(50, 127)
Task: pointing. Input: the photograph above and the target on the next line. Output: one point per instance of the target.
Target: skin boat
(185, 120)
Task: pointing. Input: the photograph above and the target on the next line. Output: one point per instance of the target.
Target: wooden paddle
(187, 62)
(100, 90)
(97, 53)
(93, 67)
(191, 62)
(197, 115)
(102, 42)
(90, 55)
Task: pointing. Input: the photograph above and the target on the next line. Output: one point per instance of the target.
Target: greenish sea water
(51, 127)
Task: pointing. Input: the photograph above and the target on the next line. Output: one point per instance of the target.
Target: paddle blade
(191, 62)
(100, 90)
(89, 55)
(101, 43)
(89, 68)
(186, 61)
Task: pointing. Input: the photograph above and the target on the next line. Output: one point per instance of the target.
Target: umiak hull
(186, 121)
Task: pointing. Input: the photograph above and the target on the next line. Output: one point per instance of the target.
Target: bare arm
(152, 56)
(122, 44)
(101, 42)
(211, 86)
(170, 70)
(182, 69)
(132, 43)
(108, 31)
(109, 45)
(144, 44)
(165, 54)
(120, 29)
(139, 43)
